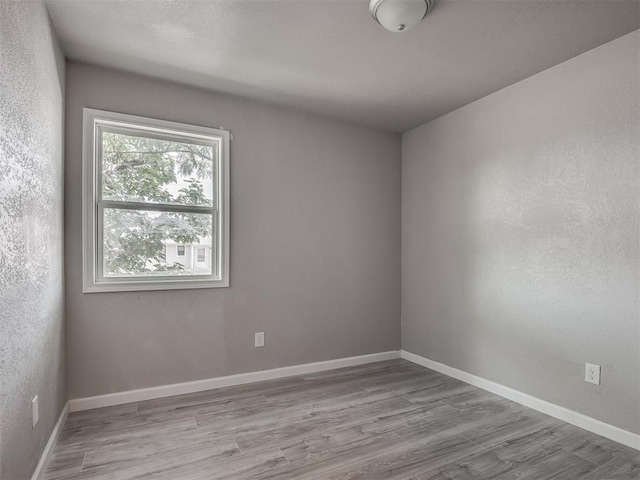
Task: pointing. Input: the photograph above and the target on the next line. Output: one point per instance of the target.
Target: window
(148, 184)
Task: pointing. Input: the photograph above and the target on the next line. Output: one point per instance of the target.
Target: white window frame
(93, 281)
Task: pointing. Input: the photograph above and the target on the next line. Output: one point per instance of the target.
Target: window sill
(98, 287)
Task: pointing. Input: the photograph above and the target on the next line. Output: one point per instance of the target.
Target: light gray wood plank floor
(387, 420)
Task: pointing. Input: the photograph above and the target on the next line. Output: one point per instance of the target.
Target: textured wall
(521, 230)
(31, 240)
(315, 247)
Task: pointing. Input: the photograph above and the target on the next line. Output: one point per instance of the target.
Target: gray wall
(315, 247)
(31, 238)
(521, 230)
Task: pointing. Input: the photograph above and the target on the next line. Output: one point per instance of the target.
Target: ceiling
(330, 57)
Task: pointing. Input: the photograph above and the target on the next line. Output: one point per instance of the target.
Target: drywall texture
(315, 247)
(31, 239)
(520, 235)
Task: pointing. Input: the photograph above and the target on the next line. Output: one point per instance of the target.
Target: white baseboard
(119, 398)
(51, 443)
(578, 419)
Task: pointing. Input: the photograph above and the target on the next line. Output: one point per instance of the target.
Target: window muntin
(152, 184)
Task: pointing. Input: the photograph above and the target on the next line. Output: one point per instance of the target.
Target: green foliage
(137, 169)
(193, 194)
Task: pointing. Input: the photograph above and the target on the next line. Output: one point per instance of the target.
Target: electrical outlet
(259, 339)
(35, 413)
(592, 373)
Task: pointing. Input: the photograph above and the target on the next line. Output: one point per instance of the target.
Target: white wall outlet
(35, 413)
(259, 339)
(592, 373)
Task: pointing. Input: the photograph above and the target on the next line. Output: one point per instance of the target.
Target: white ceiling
(330, 57)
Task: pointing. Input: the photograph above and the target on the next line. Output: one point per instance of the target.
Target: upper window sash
(103, 127)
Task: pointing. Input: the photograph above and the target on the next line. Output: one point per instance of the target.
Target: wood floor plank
(398, 381)
(242, 467)
(160, 453)
(503, 461)
(332, 444)
(499, 428)
(335, 418)
(332, 466)
(311, 391)
(189, 405)
(139, 431)
(390, 420)
(95, 415)
(250, 420)
(349, 373)
(63, 464)
(426, 394)
(408, 461)
(618, 469)
(557, 465)
(590, 446)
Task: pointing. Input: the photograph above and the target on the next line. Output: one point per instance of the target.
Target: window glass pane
(141, 169)
(139, 243)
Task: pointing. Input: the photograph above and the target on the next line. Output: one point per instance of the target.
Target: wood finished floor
(387, 420)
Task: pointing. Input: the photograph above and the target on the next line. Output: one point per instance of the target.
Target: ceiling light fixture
(399, 15)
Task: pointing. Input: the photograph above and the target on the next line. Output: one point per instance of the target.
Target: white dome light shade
(399, 15)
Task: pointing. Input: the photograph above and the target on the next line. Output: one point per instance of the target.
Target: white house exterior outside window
(156, 204)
